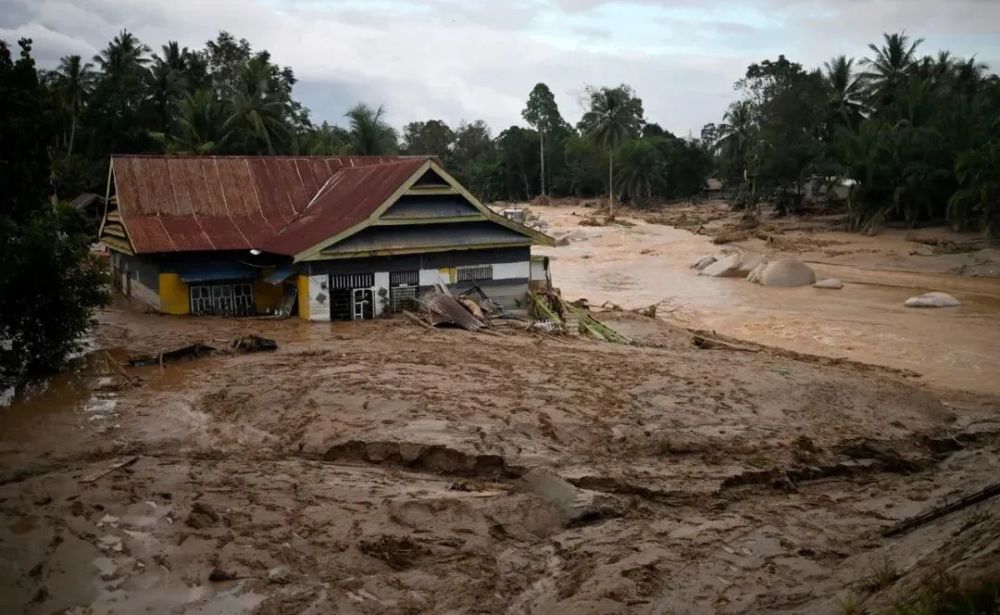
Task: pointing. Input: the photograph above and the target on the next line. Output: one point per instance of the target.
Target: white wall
(430, 277)
(507, 271)
(319, 298)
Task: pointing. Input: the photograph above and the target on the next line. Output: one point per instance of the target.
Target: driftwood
(936, 513)
(111, 468)
(709, 343)
(420, 321)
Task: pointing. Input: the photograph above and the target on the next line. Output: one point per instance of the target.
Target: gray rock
(787, 272)
(702, 262)
(573, 504)
(932, 300)
(829, 283)
(723, 267)
(749, 262)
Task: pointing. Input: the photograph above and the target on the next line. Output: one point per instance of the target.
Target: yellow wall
(173, 294)
(302, 282)
(451, 273)
(266, 297)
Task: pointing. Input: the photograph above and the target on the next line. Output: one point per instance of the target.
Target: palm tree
(201, 119)
(168, 81)
(370, 134)
(123, 55)
(890, 65)
(846, 89)
(256, 110)
(614, 117)
(74, 81)
(641, 168)
(736, 135)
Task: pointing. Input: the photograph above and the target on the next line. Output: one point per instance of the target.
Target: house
(713, 188)
(328, 238)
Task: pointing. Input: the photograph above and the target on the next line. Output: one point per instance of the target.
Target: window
(352, 280)
(473, 273)
(222, 299)
(404, 278)
(403, 298)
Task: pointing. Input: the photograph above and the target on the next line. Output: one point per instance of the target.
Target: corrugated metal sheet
(349, 197)
(180, 204)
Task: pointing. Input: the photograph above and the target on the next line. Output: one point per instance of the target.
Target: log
(111, 468)
(936, 513)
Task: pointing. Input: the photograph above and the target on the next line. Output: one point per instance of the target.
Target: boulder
(749, 261)
(562, 241)
(754, 276)
(723, 267)
(933, 300)
(574, 505)
(829, 283)
(786, 272)
(702, 262)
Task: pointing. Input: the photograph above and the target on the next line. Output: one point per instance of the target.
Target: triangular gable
(415, 209)
(412, 187)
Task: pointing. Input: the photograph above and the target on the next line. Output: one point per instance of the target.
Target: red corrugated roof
(193, 203)
(348, 199)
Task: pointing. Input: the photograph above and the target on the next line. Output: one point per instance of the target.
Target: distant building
(713, 188)
(328, 238)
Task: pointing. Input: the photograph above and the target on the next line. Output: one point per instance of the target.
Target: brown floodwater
(956, 348)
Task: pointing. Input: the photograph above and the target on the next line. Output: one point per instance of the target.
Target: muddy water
(956, 348)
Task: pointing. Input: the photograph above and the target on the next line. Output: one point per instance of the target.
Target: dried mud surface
(380, 468)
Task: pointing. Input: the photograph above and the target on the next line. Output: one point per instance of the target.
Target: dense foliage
(229, 98)
(916, 138)
(49, 282)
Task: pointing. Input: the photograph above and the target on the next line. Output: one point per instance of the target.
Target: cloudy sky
(478, 59)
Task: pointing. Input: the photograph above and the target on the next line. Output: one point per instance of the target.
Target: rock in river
(932, 299)
(829, 283)
(787, 272)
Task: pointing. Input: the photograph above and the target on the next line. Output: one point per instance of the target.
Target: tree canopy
(913, 136)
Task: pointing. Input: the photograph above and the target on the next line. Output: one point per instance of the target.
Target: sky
(478, 59)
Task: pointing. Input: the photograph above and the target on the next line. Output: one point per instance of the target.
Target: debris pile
(571, 318)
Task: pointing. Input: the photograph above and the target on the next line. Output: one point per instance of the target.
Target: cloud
(466, 59)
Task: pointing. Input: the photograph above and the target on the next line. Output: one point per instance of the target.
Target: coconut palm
(257, 113)
(615, 116)
(846, 90)
(201, 120)
(890, 65)
(168, 81)
(123, 55)
(371, 135)
(74, 81)
(737, 135)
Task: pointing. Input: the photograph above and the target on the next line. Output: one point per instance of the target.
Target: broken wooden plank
(111, 468)
(936, 513)
(420, 321)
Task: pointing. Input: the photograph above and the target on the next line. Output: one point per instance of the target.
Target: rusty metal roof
(346, 200)
(195, 203)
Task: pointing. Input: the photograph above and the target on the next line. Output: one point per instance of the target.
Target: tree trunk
(611, 184)
(541, 135)
(72, 135)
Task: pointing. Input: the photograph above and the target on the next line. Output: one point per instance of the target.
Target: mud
(379, 467)
(646, 260)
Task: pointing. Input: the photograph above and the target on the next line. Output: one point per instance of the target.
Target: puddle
(47, 410)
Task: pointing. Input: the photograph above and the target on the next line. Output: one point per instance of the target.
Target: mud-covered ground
(382, 468)
(644, 257)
